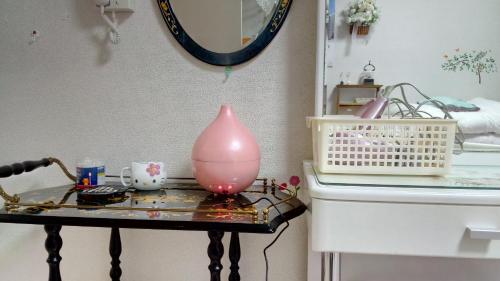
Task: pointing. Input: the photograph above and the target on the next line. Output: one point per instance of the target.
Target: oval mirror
(224, 32)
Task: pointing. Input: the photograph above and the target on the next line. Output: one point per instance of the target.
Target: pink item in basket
(226, 156)
(374, 109)
(364, 108)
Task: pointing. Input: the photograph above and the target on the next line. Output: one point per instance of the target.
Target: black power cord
(277, 236)
(272, 243)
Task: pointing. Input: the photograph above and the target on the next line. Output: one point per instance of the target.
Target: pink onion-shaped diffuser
(226, 156)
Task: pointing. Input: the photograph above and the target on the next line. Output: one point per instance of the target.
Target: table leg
(53, 245)
(234, 256)
(115, 249)
(334, 266)
(330, 266)
(323, 266)
(215, 253)
(337, 267)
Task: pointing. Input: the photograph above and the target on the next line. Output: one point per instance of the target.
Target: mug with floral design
(145, 175)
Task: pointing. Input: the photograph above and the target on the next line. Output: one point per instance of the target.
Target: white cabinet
(373, 215)
(403, 229)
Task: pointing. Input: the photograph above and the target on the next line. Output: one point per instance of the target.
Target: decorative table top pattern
(175, 206)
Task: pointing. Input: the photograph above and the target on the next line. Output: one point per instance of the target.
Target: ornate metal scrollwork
(63, 168)
(166, 12)
(12, 201)
(279, 16)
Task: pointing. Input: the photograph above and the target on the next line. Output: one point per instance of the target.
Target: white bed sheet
(483, 138)
(486, 120)
(482, 142)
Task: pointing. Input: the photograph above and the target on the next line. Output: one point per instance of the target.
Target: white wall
(409, 42)
(72, 94)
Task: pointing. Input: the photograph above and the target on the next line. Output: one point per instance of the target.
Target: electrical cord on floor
(277, 236)
(272, 243)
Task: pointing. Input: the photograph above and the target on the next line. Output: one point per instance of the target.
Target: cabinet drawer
(404, 229)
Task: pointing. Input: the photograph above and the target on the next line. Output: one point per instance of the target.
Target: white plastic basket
(348, 144)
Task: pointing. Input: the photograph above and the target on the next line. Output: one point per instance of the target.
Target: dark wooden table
(193, 209)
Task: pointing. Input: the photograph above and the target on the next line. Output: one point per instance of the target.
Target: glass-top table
(460, 177)
(176, 206)
(180, 204)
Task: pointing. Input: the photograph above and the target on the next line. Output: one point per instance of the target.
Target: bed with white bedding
(489, 138)
(484, 121)
(481, 128)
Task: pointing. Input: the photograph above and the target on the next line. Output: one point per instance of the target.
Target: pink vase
(226, 156)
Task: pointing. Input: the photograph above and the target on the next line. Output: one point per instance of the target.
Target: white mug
(145, 175)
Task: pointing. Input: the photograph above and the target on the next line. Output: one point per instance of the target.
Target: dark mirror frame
(225, 59)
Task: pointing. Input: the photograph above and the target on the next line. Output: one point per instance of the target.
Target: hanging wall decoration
(228, 35)
(477, 62)
(360, 15)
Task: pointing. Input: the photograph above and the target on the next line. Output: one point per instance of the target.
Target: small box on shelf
(351, 97)
(359, 86)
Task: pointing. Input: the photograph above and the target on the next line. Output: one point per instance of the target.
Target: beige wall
(214, 24)
(72, 94)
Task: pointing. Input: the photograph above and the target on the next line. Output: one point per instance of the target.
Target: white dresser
(453, 216)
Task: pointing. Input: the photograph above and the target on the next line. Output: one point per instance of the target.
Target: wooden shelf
(359, 86)
(351, 104)
(343, 107)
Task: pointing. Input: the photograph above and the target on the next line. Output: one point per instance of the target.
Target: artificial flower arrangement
(362, 13)
(293, 188)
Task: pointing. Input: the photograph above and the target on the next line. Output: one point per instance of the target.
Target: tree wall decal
(477, 62)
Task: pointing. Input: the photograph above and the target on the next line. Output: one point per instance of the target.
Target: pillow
(456, 105)
(487, 120)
